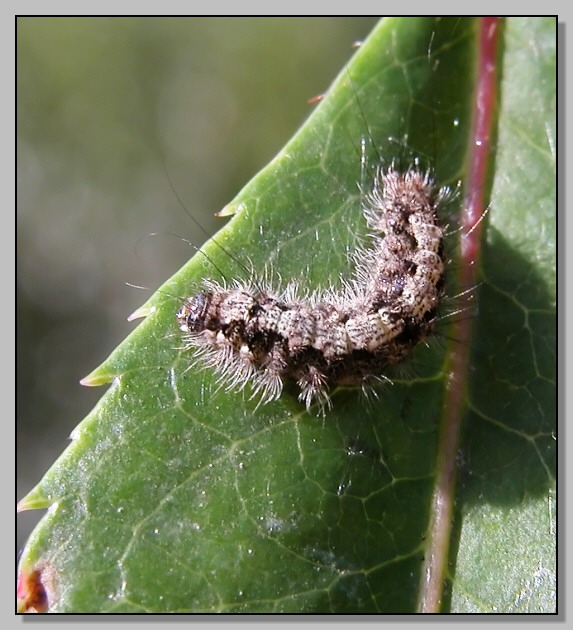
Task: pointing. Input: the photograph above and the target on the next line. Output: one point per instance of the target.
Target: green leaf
(176, 496)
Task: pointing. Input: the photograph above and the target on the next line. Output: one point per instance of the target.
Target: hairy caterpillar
(349, 336)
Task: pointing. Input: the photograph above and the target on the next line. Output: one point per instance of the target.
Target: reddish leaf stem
(440, 528)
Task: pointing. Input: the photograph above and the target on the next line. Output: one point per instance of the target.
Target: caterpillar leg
(313, 386)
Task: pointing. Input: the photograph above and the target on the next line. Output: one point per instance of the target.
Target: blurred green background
(105, 107)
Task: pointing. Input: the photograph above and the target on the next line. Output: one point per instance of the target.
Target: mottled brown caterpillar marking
(348, 336)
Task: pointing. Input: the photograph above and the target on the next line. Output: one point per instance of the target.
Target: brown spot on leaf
(31, 592)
